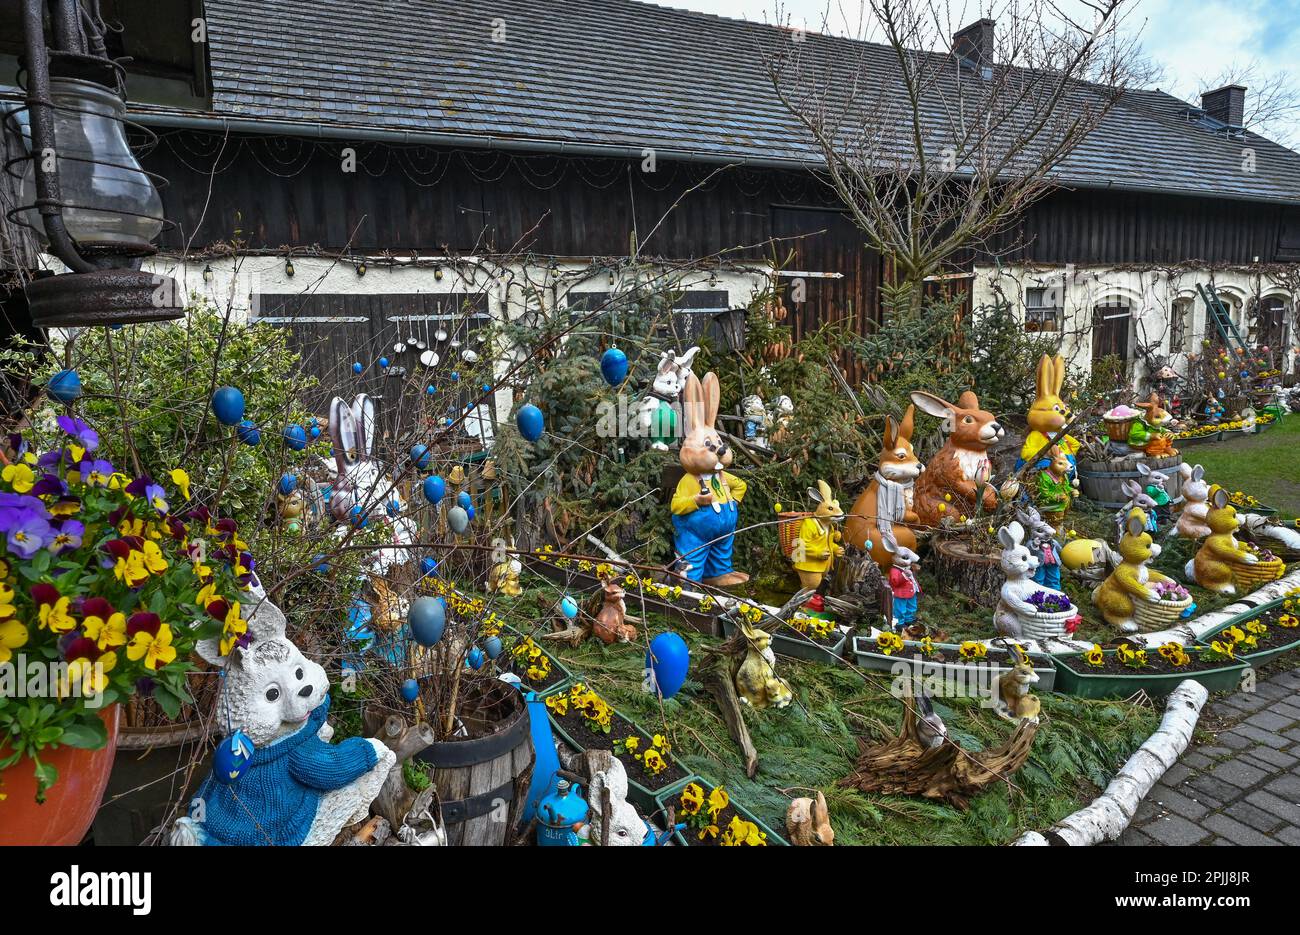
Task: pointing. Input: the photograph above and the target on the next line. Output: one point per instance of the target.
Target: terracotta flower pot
(70, 806)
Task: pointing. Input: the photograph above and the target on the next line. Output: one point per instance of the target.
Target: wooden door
(1110, 331)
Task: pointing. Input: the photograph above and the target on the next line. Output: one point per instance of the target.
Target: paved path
(1242, 787)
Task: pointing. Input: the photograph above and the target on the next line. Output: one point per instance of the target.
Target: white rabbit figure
(1138, 498)
(626, 827)
(1018, 564)
(361, 481)
(297, 788)
(656, 412)
(1196, 494)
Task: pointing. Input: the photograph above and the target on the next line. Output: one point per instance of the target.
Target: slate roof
(625, 74)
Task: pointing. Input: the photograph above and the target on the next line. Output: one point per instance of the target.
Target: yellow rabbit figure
(1131, 580)
(1220, 552)
(757, 683)
(1048, 415)
(818, 544)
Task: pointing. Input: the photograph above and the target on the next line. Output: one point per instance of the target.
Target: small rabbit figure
(1048, 415)
(757, 421)
(930, 728)
(1154, 487)
(903, 585)
(783, 412)
(1054, 491)
(503, 578)
(1018, 564)
(1152, 432)
(610, 625)
(808, 822)
(884, 509)
(706, 504)
(1212, 567)
(1196, 508)
(1041, 541)
(362, 490)
(1132, 580)
(1015, 701)
(961, 468)
(757, 683)
(818, 544)
(657, 409)
(1138, 499)
(626, 827)
(298, 788)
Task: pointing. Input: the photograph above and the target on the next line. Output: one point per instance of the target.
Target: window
(1041, 311)
(1180, 324)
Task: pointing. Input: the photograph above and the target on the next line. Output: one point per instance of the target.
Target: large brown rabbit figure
(962, 464)
(706, 504)
(886, 505)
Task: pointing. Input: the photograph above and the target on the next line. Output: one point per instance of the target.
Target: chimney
(974, 44)
(1226, 105)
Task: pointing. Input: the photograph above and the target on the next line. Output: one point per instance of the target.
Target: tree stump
(958, 567)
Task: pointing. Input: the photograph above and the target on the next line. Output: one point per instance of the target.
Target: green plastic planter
(1198, 440)
(666, 799)
(1256, 659)
(867, 657)
(1083, 684)
(799, 648)
(637, 794)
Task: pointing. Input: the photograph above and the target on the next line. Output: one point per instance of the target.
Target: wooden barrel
(482, 779)
(1103, 481)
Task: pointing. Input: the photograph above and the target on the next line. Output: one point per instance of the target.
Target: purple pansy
(49, 484)
(157, 497)
(86, 437)
(26, 531)
(96, 472)
(67, 536)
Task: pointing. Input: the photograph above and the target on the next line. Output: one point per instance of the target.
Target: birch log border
(1111, 812)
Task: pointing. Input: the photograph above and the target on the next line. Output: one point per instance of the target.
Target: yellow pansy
(718, 801)
(20, 477)
(106, 633)
(182, 482)
(7, 607)
(131, 570)
(55, 617)
(13, 635)
(89, 677)
(156, 650)
(692, 799)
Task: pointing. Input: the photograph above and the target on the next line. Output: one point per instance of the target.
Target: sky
(1190, 39)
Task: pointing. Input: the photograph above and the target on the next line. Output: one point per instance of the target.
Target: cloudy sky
(1193, 40)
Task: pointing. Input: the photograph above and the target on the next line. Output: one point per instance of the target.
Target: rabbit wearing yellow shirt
(818, 543)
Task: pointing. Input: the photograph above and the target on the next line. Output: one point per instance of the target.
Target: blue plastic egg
(475, 658)
(357, 368)
(288, 483)
(435, 488)
(428, 620)
(65, 386)
(410, 690)
(249, 433)
(492, 646)
(530, 421)
(315, 431)
(464, 499)
(568, 607)
(228, 405)
(232, 758)
(394, 507)
(420, 456)
(487, 387)
(455, 376)
(458, 519)
(432, 389)
(613, 366)
(669, 658)
(383, 361)
(359, 518)
(295, 437)
(428, 566)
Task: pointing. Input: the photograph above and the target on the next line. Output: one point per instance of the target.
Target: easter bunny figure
(656, 412)
(706, 504)
(362, 490)
(1019, 565)
(626, 827)
(1047, 416)
(957, 479)
(297, 789)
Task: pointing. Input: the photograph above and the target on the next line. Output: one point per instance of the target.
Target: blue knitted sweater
(275, 801)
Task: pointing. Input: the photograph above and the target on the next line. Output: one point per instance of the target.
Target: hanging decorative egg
(470, 512)
(394, 507)
(383, 361)
(420, 456)
(359, 518)
(315, 431)
(458, 519)
(288, 483)
(492, 646)
(65, 386)
(475, 658)
(487, 387)
(668, 659)
(568, 607)
(435, 488)
(249, 433)
(432, 389)
(428, 620)
(428, 566)
(464, 499)
(613, 366)
(411, 690)
(228, 405)
(530, 421)
(455, 376)
(295, 436)
(232, 758)
(357, 368)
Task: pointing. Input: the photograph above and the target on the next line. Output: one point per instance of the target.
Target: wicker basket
(1047, 626)
(1252, 576)
(1117, 429)
(788, 531)
(1159, 615)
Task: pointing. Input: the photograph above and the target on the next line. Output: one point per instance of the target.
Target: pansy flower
(26, 531)
(7, 606)
(153, 558)
(107, 631)
(19, 476)
(65, 506)
(143, 622)
(86, 437)
(86, 676)
(95, 472)
(130, 570)
(49, 485)
(55, 616)
(182, 481)
(157, 498)
(67, 536)
(13, 635)
(155, 649)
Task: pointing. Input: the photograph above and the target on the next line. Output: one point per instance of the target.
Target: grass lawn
(1263, 465)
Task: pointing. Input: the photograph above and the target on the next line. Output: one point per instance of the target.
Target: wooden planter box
(667, 799)
(697, 620)
(866, 656)
(1255, 659)
(1104, 685)
(787, 642)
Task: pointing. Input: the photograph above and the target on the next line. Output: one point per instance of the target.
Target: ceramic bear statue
(298, 789)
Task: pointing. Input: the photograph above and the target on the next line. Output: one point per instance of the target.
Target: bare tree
(936, 149)
(1273, 104)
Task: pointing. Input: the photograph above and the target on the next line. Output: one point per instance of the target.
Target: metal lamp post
(82, 190)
